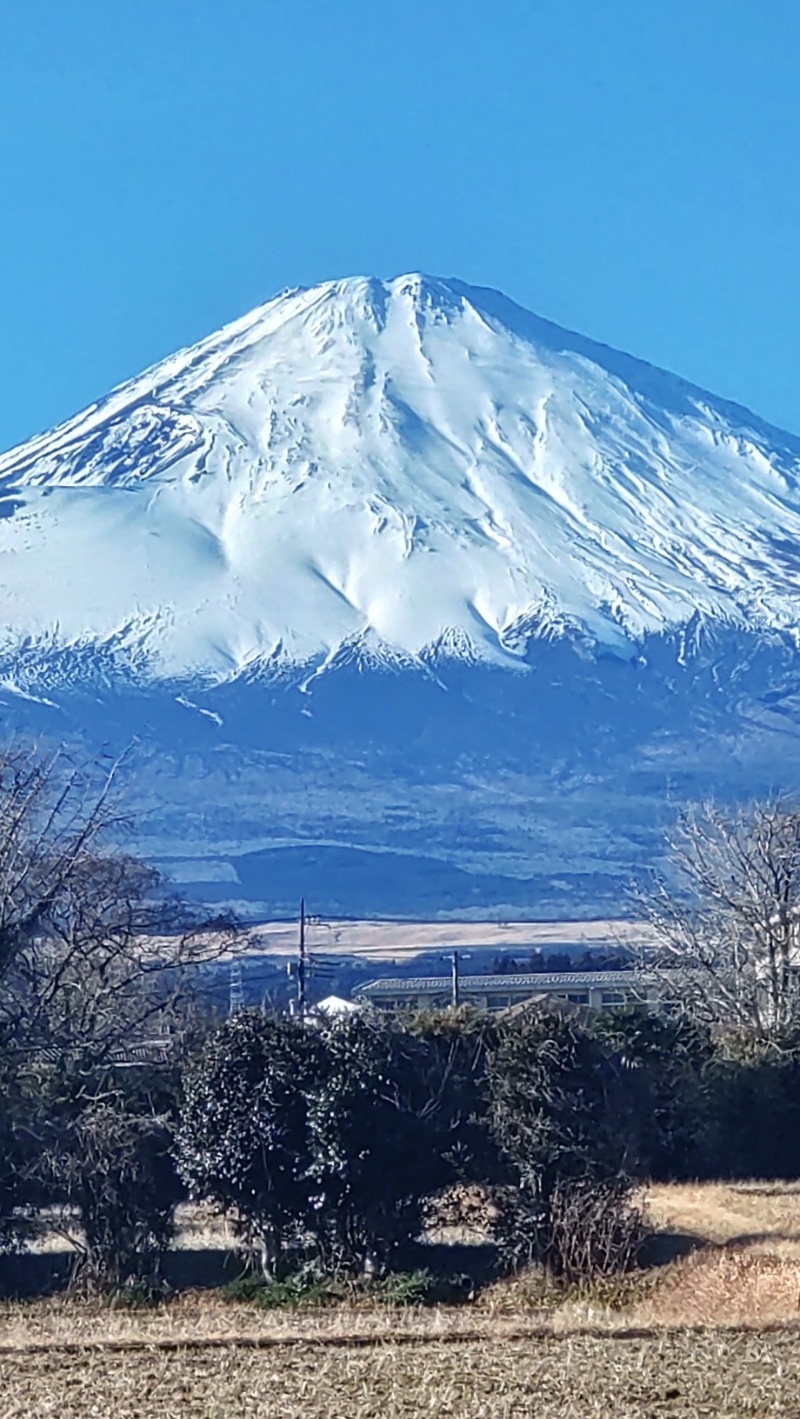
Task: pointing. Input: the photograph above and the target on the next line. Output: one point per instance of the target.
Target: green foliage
(309, 1287)
(407, 1288)
(244, 1138)
(329, 1139)
(722, 1107)
(325, 1141)
(302, 1288)
(319, 1136)
(458, 1044)
(561, 1112)
(755, 1118)
(559, 1106)
(668, 1062)
(373, 1154)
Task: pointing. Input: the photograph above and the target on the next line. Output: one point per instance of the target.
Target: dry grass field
(728, 1375)
(713, 1329)
(376, 940)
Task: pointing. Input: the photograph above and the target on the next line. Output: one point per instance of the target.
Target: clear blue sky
(628, 168)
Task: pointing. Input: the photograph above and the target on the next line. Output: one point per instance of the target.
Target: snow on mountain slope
(409, 466)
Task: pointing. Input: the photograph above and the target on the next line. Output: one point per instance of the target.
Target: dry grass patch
(681, 1375)
(764, 1216)
(746, 1271)
(727, 1287)
(204, 1318)
(742, 1269)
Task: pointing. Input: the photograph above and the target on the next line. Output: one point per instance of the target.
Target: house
(594, 990)
(333, 1005)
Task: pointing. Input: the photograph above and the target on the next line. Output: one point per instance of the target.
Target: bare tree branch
(728, 915)
(93, 948)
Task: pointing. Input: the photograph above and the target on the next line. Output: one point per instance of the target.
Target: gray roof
(539, 981)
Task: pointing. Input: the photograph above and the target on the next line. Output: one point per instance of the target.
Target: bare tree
(728, 915)
(93, 949)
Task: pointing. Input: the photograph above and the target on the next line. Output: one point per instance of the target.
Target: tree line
(326, 1141)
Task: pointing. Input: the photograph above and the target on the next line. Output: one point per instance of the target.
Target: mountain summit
(411, 486)
(403, 470)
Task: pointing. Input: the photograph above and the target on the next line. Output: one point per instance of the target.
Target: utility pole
(235, 988)
(454, 958)
(454, 979)
(301, 962)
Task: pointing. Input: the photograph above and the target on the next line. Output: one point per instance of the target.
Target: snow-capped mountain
(407, 466)
(413, 486)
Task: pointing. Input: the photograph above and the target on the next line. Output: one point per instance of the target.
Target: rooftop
(534, 980)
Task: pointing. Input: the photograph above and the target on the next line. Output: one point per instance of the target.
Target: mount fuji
(410, 600)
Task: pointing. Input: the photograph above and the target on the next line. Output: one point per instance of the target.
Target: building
(595, 990)
(333, 1005)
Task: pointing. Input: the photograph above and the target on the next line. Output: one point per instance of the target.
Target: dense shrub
(754, 1114)
(709, 1108)
(374, 1152)
(558, 1104)
(318, 1136)
(243, 1139)
(107, 1155)
(458, 1044)
(326, 1141)
(562, 1114)
(668, 1059)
